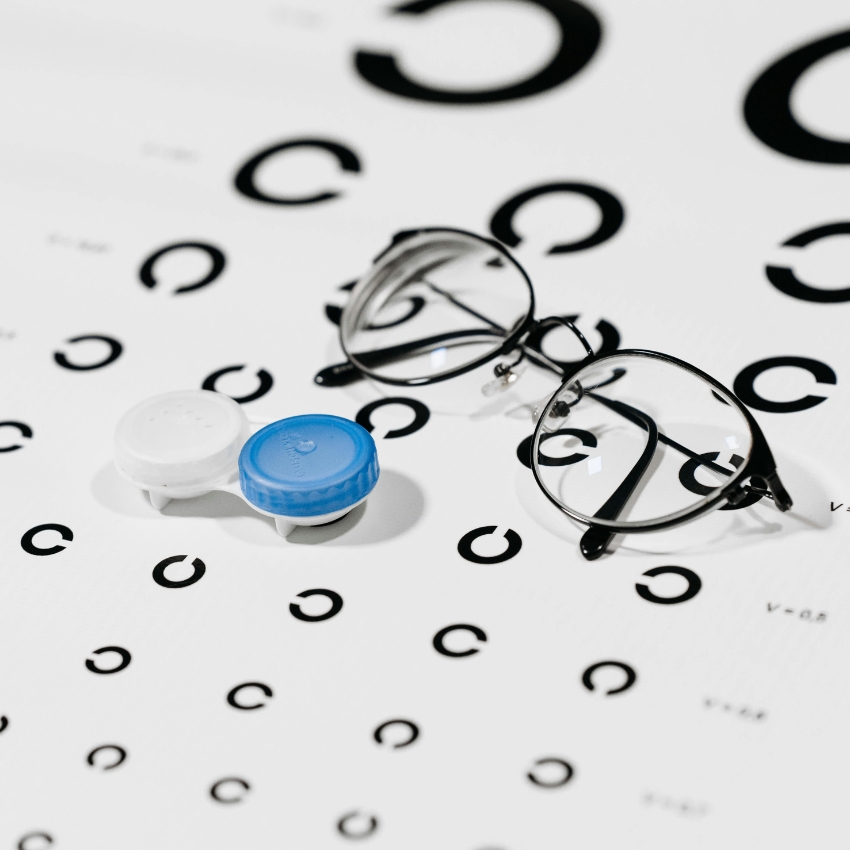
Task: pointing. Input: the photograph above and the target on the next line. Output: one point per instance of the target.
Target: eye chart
(188, 192)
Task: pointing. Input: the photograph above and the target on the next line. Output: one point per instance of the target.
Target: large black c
(744, 389)
(767, 106)
(502, 227)
(580, 32)
(244, 180)
(28, 540)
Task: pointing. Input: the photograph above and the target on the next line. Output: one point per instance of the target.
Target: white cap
(181, 439)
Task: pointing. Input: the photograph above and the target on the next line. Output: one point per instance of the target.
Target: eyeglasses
(661, 441)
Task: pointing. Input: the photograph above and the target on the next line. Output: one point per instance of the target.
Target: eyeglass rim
(758, 463)
(509, 344)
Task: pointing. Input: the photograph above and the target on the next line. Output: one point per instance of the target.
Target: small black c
(24, 430)
(146, 272)
(28, 544)
(266, 383)
(332, 595)
(414, 732)
(343, 829)
(694, 586)
(125, 660)
(115, 349)
(159, 572)
(120, 752)
(631, 676)
(523, 451)
(568, 773)
(214, 790)
(464, 545)
(231, 696)
(459, 627)
(421, 415)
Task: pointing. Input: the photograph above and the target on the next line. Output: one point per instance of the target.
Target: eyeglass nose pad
(507, 374)
(180, 444)
(559, 409)
(556, 418)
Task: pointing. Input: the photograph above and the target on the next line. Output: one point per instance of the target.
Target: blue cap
(309, 465)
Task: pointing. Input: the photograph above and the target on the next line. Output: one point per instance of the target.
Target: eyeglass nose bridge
(549, 321)
(508, 374)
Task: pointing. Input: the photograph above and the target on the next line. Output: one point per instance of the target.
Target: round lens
(634, 441)
(437, 303)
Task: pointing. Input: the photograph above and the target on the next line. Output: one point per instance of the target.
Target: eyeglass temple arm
(636, 416)
(342, 374)
(596, 539)
(766, 484)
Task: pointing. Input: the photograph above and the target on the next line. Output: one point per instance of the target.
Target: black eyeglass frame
(759, 468)
(511, 341)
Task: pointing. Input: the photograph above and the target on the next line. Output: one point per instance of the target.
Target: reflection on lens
(626, 476)
(433, 304)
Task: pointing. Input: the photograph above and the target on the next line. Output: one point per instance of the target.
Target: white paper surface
(124, 126)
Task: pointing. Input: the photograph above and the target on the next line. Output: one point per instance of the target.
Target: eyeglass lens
(634, 441)
(433, 304)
